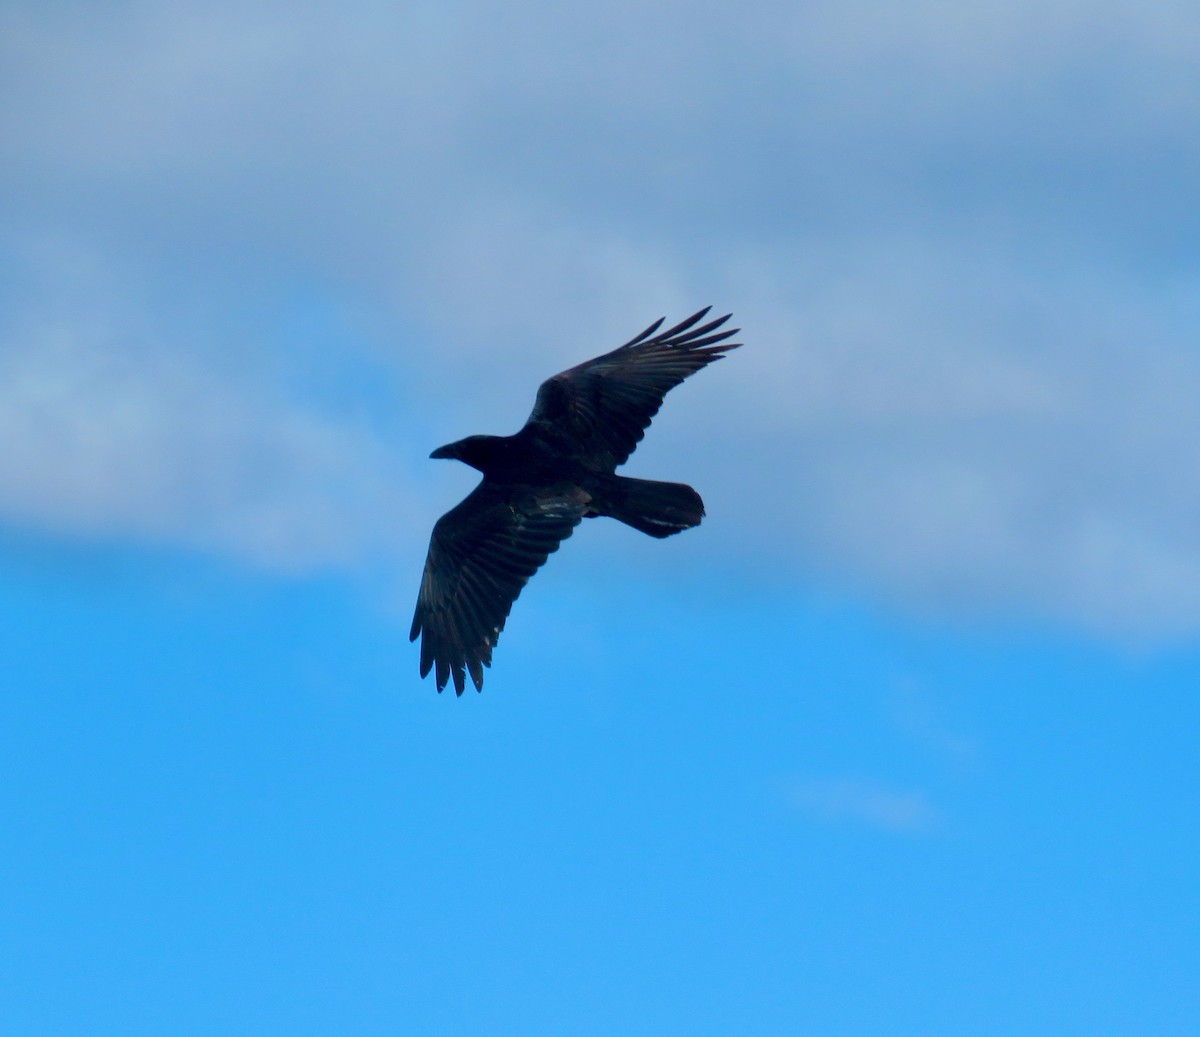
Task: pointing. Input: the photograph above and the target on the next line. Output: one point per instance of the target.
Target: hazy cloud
(960, 241)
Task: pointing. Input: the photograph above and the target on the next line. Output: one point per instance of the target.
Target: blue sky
(900, 740)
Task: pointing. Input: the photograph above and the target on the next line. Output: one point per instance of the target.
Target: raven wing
(482, 552)
(605, 405)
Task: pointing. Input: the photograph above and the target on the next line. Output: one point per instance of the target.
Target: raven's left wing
(482, 552)
(602, 408)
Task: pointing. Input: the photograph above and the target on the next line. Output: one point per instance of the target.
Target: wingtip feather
(645, 334)
(683, 325)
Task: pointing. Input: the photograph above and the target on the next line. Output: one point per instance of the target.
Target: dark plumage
(538, 484)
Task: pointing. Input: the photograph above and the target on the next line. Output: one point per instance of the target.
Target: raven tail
(660, 509)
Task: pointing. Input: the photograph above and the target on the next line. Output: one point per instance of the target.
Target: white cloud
(1025, 444)
(118, 429)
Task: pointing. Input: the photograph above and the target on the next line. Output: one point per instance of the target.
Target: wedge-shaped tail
(659, 509)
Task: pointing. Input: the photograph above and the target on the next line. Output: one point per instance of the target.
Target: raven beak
(443, 453)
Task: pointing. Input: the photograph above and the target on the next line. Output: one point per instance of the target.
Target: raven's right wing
(482, 552)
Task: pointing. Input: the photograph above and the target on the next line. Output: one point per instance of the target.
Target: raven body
(541, 482)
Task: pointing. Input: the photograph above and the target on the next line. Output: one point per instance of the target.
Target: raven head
(449, 452)
(477, 451)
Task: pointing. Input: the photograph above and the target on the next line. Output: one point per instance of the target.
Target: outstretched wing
(605, 405)
(482, 552)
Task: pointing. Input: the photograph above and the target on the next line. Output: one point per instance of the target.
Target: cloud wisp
(862, 802)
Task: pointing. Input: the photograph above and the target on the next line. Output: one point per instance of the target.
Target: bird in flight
(538, 484)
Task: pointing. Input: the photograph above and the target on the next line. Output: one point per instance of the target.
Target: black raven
(538, 484)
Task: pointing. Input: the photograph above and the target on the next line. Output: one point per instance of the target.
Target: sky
(900, 740)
